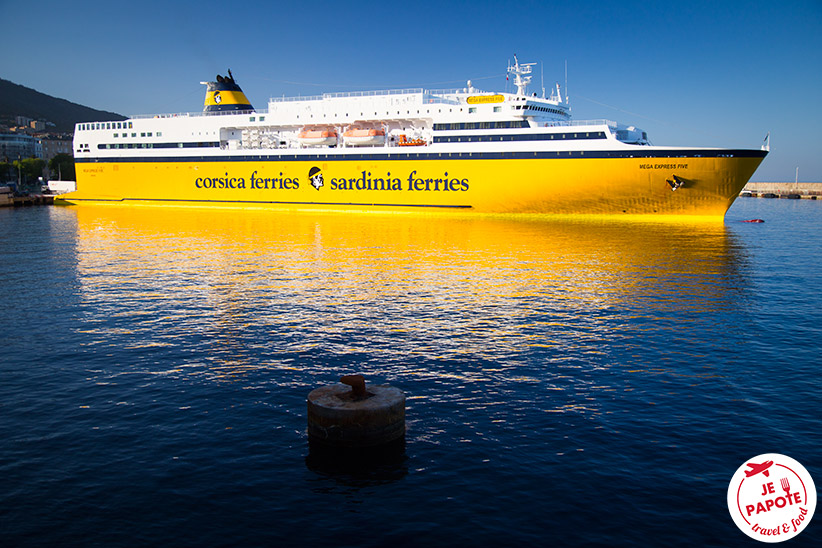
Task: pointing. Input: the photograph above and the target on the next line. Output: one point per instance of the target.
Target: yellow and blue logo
(225, 95)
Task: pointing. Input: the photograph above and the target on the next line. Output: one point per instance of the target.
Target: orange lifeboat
(317, 137)
(364, 137)
(406, 142)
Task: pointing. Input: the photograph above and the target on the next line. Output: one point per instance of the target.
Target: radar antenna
(521, 74)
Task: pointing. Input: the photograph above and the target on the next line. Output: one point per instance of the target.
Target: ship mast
(521, 74)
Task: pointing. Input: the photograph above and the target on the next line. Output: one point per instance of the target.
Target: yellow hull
(596, 186)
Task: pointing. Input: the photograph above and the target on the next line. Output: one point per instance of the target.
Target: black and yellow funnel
(225, 95)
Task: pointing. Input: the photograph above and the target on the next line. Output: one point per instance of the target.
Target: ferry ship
(410, 149)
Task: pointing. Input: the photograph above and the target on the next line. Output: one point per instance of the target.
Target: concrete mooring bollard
(349, 416)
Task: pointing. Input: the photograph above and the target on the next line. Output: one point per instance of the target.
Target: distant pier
(8, 199)
(796, 191)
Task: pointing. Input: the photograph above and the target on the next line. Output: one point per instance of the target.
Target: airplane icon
(757, 468)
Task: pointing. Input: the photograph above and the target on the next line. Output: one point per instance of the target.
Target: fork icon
(786, 486)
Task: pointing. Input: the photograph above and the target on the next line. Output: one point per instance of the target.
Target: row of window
(473, 110)
(437, 139)
(653, 154)
(508, 124)
(158, 145)
(387, 113)
(106, 125)
(142, 134)
(540, 109)
(526, 137)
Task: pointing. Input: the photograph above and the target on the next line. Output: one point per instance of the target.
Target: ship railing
(563, 123)
(440, 94)
(298, 98)
(173, 115)
(410, 91)
(193, 114)
(460, 91)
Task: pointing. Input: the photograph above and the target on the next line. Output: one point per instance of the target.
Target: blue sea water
(569, 383)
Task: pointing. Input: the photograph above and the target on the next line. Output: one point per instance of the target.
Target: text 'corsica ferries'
(464, 149)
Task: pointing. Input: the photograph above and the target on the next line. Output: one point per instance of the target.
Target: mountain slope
(17, 100)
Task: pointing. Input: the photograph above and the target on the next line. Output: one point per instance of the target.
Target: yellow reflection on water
(449, 286)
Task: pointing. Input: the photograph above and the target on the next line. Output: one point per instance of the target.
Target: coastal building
(53, 144)
(15, 146)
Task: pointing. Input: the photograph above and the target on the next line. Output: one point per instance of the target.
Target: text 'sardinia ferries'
(412, 149)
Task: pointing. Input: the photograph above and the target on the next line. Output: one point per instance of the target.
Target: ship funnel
(225, 95)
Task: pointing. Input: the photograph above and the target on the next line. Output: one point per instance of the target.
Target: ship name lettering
(220, 182)
(663, 166)
(436, 184)
(365, 182)
(283, 183)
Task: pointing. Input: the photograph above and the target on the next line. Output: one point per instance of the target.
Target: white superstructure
(439, 120)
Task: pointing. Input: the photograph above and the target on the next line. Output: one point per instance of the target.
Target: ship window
(497, 109)
(149, 134)
(472, 110)
(262, 118)
(142, 134)
(159, 134)
(252, 119)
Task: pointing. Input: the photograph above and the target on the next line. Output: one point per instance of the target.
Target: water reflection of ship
(309, 279)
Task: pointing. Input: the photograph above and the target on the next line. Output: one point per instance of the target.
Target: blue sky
(689, 73)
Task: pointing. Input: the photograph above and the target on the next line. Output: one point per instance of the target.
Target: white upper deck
(424, 118)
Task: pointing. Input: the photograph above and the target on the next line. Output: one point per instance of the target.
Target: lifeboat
(317, 137)
(406, 142)
(364, 137)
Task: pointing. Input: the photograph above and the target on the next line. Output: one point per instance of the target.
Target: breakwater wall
(783, 190)
(7, 198)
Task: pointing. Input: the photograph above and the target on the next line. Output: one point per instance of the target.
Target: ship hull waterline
(700, 185)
